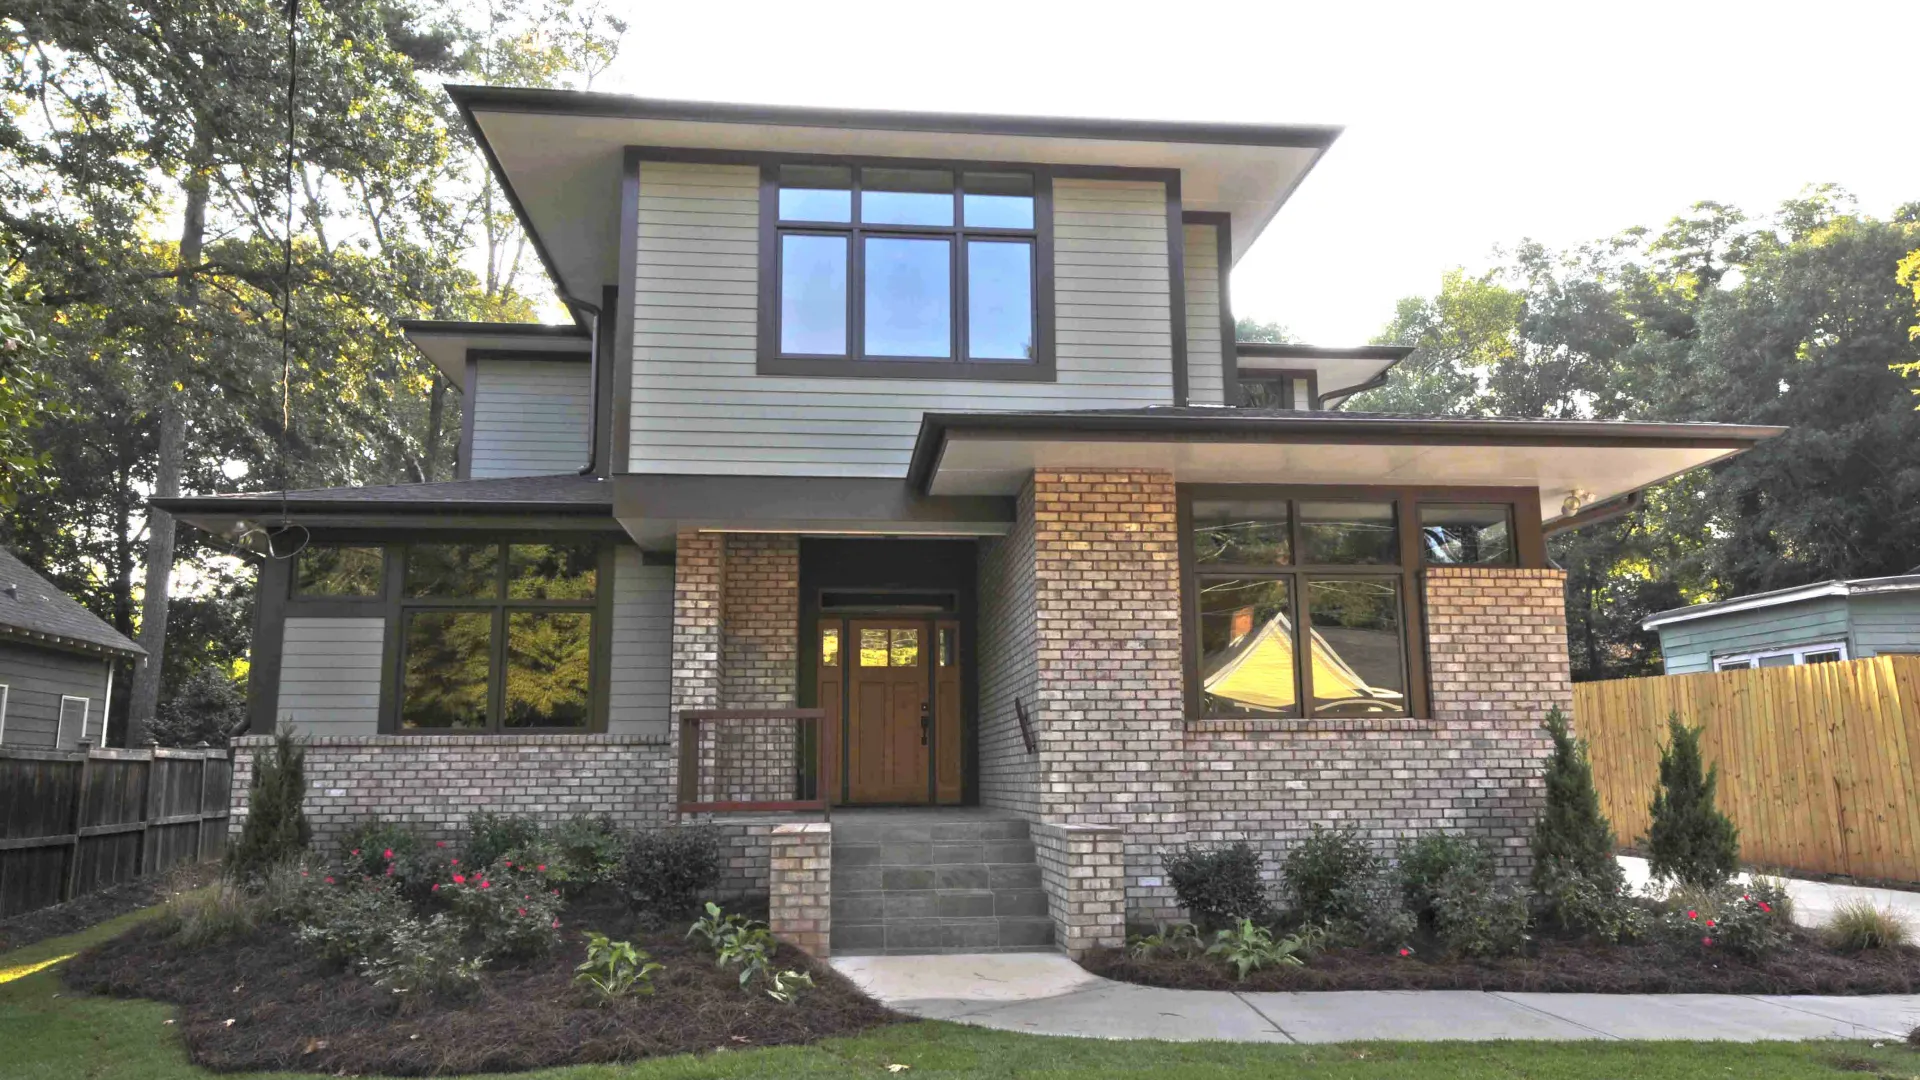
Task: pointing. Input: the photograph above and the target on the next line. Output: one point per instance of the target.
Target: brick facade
(800, 877)
(1083, 869)
(1008, 666)
(759, 664)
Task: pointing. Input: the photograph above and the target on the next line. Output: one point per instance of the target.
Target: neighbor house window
(497, 636)
(1279, 390)
(339, 570)
(74, 712)
(1829, 652)
(893, 270)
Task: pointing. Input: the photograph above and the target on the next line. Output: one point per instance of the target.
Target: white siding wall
(529, 418)
(700, 407)
(1205, 360)
(330, 675)
(642, 646)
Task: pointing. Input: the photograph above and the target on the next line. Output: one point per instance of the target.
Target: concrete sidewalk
(1813, 901)
(1048, 994)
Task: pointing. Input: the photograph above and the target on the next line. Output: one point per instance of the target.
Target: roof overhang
(562, 501)
(1854, 587)
(448, 344)
(65, 643)
(1569, 462)
(560, 156)
(654, 508)
(1339, 372)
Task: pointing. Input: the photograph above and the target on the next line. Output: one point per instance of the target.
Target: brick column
(1107, 610)
(699, 565)
(759, 662)
(1083, 868)
(799, 884)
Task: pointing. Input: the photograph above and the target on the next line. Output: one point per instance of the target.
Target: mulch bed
(263, 1003)
(95, 908)
(1803, 967)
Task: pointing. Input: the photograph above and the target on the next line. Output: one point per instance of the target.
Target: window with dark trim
(900, 269)
(340, 571)
(1275, 389)
(1467, 534)
(497, 636)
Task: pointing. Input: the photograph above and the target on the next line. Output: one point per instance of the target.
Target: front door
(894, 686)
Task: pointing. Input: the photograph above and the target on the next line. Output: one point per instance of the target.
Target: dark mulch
(1803, 967)
(263, 1003)
(97, 907)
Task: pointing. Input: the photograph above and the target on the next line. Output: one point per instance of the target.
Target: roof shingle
(31, 608)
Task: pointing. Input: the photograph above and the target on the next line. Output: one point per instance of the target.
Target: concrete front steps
(935, 881)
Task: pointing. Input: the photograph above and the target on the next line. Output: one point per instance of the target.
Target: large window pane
(1358, 667)
(549, 655)
(816, 193)
(1241, 532)
(551, 571)
(454, 571)
(449, 654)
(813, 295)
(1348, 534)
(906, 197)
(909, 297)
(1246, 647)
(999, 300)
(338, 570)
(997, 200)
(1466, 535)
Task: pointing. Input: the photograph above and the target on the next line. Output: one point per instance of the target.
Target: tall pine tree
(1573, 834)
(1690, 840)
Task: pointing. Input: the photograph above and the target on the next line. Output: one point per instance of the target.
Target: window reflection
(906, 197)
(997, 200)
(1466, 535)
(455, 571)
(1348, 533)
(906, 647)
(1247, 647)
(830, 646)
(446, 678)
(339, 570)
(552, 571)
(548, 656)
(1241, 532)
(816, 193)
(873, 647)
(908, 297)
(1000, 300)
(1358, 666)
(813, 295)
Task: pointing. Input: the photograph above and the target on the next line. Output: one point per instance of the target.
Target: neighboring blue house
(1810, 624)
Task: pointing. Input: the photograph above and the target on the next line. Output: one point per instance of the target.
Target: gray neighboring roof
(1877, 586)
(565, 493)
(32, 610)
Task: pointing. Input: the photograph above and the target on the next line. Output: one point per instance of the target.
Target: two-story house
(912, 458)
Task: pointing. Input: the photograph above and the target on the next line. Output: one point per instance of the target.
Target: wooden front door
(889, 712)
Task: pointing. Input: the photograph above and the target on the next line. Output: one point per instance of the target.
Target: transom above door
(891, 688)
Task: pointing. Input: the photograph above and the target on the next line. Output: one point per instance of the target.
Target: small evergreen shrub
(1331, 877)
(276, 829)
(491, 836)
(1857, 925)
(590, 850)
(1573, 836)
(665, 870)
(1219, 886)
(1423, 862)
(1690, 840)
(1475, 914)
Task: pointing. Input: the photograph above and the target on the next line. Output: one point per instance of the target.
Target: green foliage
(195, 920)
(371, 847)
(1180, 939)
(510, 914)
(736, 941)
(1476, 914)
(1248, 328)
(276, 829)
(615, 969)
(349, 920)
(574, 855)
(1724, 917)
(1858, 925)
(1577, 902)
(1331, 876)
(1689, 839)
(1573, 835)
(1249, 947)
(1424, 861)
(665, 870)
(785, 986)
(491, 836)
(424, 956)
(207, 706)
(1219, 886)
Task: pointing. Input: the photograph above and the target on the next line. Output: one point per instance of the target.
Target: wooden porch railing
(808, 734)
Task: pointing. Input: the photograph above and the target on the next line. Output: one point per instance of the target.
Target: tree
(1247, 328)
(1689, 840)
(1572, 835)
(276, 828)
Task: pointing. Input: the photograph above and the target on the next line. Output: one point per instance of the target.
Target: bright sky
(1466, 125)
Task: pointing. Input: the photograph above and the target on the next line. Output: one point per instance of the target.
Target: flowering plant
(509, 912)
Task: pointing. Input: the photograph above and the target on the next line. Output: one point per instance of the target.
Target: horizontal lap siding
(1885, 624)
(1690, 646)
(35, 680)
(530, 418)
(330, 675)
(699, 405)
(642, 646)
(1205, 362)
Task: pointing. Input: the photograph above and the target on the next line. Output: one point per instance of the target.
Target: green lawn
(49, 1034)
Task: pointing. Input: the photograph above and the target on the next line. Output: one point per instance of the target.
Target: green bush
(1573, 836)
(1181, 939)
(1219, 886)
(1332, 876)
(615, 969)
(276, 829)
(1689, 841)
(1424, 861)
(1857, 925)
(1578, 903)
(372, 847)
(1476, 914)
(664, 871)
(349, 920)
(736, 940)
(1724, 918)
(424, 956)
(491, 836)
(195, 920)
(1249, 947)
(508, 913)
(590, 850)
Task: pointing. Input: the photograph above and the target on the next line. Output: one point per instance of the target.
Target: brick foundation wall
(698, 568)
(1083, 869)
(1008, 668)
(799, 904)
(433, 782)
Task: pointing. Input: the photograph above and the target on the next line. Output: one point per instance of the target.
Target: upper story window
(904, 271)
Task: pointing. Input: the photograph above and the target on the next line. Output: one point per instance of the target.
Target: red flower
(556, 892)
(439, 843)
(453, 862)
(459, 879)
(509, 863)
(486, 885)
(1766, 907)
(1406, 951)
(303, 873)
(556, 924)
(436, 887)
(1709, 922)
(1707, 941)
(523, 912)
(389, 871)
(329, 879)
(542, 868)
(388, 854)
(1693, 914)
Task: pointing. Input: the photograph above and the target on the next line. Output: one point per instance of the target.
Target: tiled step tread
(864, 879)
(861, 908)
(932, 853)
(921, 832)
(937, 933)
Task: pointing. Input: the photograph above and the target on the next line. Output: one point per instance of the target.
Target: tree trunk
(145, 694)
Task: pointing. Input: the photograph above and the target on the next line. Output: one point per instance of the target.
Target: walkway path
(1048, 994)
(1813, 901)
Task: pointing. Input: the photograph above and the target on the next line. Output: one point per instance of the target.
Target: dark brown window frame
(958, 365)
(1285, 377)
(1513, 534)
(1409, 570)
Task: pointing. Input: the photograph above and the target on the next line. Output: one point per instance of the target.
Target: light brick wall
(799, 907)
(1497, 643)
(1083, 869)
(759, 664)
(1008, 668)
(433, 782)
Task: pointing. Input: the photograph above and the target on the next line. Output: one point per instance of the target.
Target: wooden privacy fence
(72, 822)
(1816, 762)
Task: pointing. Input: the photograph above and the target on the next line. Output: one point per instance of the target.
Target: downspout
(592, 467)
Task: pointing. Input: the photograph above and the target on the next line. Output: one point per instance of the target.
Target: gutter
(592, 467)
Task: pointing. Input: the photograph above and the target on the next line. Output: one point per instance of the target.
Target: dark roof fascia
(41, 639)
(454, 328)
(470, 98)
(272, 506)
(1330, 428)
(1283, 350)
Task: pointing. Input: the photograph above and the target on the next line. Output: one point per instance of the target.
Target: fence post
(150, 809)
(200, 807)
(70, 888)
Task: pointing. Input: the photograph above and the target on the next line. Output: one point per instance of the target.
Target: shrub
(287, 892)
(1178, 940)
(1577, 902)
(1573, 836)
(371, 847)
(1689, 840)
(735, 940)
(615, 969)
(424, 956)
(1219, 886)
(1423, 862)
(1249, 947)
(589, 848)
(665, 870)
(197, 919)
(350, 920)
(1858, 925)
(276, 829)
(510, 914)
(1724, 918)
(491, 836)
(1475, 914)
(1331, 876)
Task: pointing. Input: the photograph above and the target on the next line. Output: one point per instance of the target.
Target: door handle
(926, 722)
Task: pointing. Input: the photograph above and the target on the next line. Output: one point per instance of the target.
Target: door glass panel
(548, 658)
(906, 647)
(830, 646)
(943, 651)
(999, 300)
(1357, 665)
(1246, 647)
(909, 298)
(873, 647)
(1241, 532)
(813, 295)
(449, 654)
(1348, 533)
